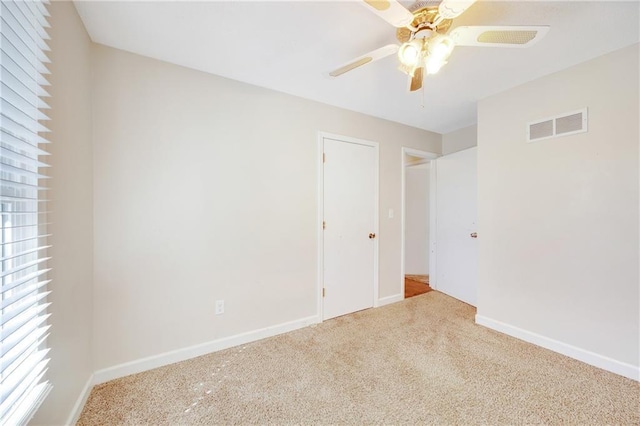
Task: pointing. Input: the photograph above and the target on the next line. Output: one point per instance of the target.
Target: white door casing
(349, 213)
(457, 218)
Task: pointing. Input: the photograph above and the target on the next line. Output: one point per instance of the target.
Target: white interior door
(349, 186)
(456, 221)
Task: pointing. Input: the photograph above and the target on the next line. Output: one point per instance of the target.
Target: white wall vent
(562, 125)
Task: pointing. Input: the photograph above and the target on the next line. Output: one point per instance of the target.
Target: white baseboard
(390, 299)
(588, 357)
(160, 360)
(82, 399)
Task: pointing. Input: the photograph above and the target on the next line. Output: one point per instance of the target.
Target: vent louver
(544, 129)
(561, 125)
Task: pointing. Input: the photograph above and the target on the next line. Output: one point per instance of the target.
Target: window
(24, 254)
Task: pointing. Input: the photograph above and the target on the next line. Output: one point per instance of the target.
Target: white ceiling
(290, 46)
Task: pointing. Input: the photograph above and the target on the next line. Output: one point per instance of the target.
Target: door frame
(427, 157)
(320, 214)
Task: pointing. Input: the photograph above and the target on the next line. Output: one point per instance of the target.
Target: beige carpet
(420, 361)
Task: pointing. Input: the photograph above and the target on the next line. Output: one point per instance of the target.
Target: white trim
(588, 357)
(320, 214)
(419, 153)
(320, 218)
(427, 157)
(74, 416)
(433, 225)
(160, 360)
(376, 227)
(390, 299)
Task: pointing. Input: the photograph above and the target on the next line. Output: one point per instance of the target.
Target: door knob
(372, 236)
(474, 235)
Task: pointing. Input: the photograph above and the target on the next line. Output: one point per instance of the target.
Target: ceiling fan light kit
(433, 64)
(427, 43)
(429, 53)
(410, 53)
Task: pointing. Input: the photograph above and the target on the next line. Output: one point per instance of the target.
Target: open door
(456, 228)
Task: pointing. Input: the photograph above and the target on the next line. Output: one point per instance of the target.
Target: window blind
(24, 255)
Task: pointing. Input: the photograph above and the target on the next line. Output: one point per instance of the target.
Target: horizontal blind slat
(10, 362)
(24, 212)
(23, 267)
(18, 282)
(26, 134)
(24, 253)
(21, 118)
(27, 12)
(26, 334)
(7, 199)
(35, 29)
(22, 70)
(22, 157)
(27, 100)
(23, 218)
(13, 391)
(21, 240)
(14, 312)
(22, 359)
(15, 185)
(16, 144)
(15, 326)
(22, 172)
(20, 81)
(23, 114)
(18, 412)
(30, 349)
(35, 11)
(32, 66)
(20, 355)
(21, 40)
(17, 295)
(27, 226)
(12, 14)
(23, 413)
(41, 6)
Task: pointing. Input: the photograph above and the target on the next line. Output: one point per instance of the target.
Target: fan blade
(391, 11)
(508, 36)
(415, 82)
(380, 53)
(450, 9)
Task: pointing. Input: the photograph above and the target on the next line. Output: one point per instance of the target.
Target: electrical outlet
(219, 307)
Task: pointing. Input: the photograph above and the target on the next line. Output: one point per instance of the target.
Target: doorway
(418, 192)
(348, 213)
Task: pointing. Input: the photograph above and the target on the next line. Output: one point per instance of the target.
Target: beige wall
(71, 217)
(205, 189)
(559, 218)
(416, 220)
(460, 139)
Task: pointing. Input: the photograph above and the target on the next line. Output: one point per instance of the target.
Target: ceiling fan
(427, 43)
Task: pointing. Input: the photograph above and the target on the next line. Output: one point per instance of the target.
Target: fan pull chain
(422, 97)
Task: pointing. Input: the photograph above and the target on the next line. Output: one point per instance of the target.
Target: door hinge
(323, 292)
(324, 158)
(324, 225)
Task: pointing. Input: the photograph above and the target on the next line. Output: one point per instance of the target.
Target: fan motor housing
(423, 19)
